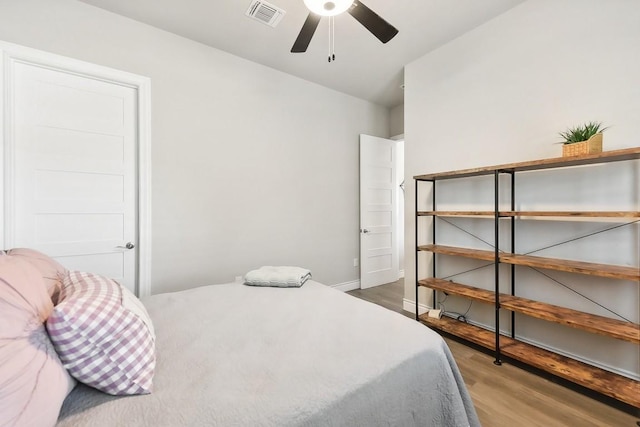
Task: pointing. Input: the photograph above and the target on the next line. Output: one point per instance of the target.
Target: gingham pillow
(100, 341)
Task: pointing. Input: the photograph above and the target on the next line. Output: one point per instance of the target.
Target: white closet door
(378, 212)
(75, 170)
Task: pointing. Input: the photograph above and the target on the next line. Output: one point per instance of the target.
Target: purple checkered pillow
(100, 341)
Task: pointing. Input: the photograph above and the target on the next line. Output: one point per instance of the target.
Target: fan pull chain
(332, 50)
(333, 38)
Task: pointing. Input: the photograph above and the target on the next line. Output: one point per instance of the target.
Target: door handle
(364, 230)
(129, 245)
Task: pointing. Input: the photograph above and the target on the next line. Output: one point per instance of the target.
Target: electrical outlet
(355, 262)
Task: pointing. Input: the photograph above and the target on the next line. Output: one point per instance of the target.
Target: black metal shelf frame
(496, 261)
(497, 173)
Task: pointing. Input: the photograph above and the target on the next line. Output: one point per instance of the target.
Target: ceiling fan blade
(372, 22)
(304, 38)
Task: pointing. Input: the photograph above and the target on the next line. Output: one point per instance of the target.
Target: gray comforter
(234, 355)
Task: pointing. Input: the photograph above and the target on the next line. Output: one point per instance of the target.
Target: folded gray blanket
(282, 277)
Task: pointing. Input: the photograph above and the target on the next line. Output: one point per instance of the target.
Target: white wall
(251, 166)
(396, 120)
(501, 93)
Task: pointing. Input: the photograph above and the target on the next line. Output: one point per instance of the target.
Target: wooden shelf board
(471, 333)
(589, 268)
(581, 267)
(578, 214)
(602, 325)
(510, 214)
(610, 384)
(456, 251)
(556, 162)
(453, 288)
(457, 213)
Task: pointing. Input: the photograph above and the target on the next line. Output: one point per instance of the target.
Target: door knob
(364, 230)
(129, 245)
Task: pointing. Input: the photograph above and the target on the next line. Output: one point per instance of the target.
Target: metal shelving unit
(619, 387)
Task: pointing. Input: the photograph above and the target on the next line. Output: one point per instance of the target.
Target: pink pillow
(33, 382)
(101, 341)
(52, 272)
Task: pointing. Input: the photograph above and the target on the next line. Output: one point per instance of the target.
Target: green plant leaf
(581, 133)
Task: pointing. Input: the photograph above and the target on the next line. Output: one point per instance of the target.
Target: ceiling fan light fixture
(328, 7)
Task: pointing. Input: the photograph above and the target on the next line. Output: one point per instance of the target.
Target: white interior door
(378, 213)
(74, 155)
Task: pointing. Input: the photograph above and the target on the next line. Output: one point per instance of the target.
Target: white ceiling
(364, 67)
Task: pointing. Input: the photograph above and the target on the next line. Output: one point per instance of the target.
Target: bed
(234, 355)
(217, 355)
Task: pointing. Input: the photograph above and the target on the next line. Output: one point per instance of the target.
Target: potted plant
(584, 139)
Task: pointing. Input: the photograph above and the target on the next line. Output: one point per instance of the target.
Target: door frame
(400, 202)
(10, 54)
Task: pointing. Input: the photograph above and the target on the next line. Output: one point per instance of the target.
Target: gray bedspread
(234, 355)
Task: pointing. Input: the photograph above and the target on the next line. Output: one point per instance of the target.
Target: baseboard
(410, 306)
(347, 286)
(401, 274)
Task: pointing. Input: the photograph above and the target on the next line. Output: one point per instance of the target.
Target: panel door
(75, 170)
(378, 213)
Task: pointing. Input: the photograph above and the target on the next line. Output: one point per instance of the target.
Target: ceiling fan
(319, 8)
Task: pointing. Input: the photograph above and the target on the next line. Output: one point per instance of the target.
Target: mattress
(234, 355)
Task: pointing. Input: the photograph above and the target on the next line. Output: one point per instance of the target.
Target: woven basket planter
(590, 146)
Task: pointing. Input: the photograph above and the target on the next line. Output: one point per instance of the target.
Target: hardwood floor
(507, 396)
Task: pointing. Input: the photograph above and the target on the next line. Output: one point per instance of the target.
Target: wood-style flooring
(507, 396)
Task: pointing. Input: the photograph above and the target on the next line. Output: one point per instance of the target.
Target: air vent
(265, 12)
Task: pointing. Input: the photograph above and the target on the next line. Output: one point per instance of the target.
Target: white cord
(329, 56)
(332, 52)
